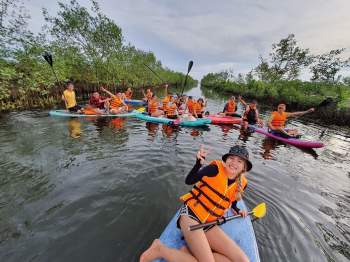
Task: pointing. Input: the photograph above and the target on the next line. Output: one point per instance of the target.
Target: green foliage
(327, 65)
(294, 91)
(86, 46)
(287, 60)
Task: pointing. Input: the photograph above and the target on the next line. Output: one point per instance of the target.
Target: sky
(219, 35)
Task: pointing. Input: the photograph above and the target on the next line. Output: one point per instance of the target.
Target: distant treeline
(86, 46)
(277, 80)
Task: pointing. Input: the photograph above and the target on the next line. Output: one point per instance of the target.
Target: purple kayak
(292, 141)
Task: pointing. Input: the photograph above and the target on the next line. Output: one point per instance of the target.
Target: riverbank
(298, 95)
(45, 98)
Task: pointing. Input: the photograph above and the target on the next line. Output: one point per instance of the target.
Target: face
(96, 95)
(70, 87)
(234, 165)
(119, 95)
(281, 108)
(252, 105)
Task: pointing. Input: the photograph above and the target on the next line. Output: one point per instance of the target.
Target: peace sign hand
(201, 154)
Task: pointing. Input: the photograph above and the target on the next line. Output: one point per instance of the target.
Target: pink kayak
(217, 119)
(292, 141)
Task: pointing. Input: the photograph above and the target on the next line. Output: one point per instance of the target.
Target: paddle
(259, 211)
(154, 73)
(48, 57)
(190, 64)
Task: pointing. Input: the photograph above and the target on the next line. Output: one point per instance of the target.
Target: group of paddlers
(181, 107)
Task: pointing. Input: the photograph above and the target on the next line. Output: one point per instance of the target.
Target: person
(231, 108)
(198, 108)
(153, 107)
(97, 101)
(116, 104)
(277, 121)
(171, 108)
(190, 104)
(166, 101)
(251, 114)
(128, 94)
(148, 95)
(68, 97)
(217, 186)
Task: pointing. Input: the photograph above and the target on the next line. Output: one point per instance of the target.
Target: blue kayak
(168, 121)
(135, 102)
(240, 230)
(66, 113)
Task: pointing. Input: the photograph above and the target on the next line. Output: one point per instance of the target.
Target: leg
(196, 240)
(224, 245)
(218, 257)
(159, 250)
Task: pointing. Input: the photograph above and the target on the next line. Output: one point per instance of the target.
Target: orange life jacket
(128, 95)
(116, 102)
(231, 107)
(152, 107)
(170, 110)
(211, 196)
(278, 120)
(190, 106)
(198, 108)
(165, 102)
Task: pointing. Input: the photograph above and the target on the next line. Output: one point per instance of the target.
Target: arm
(300, 113)
(242, 101)
(236, 210)
(197, 172)
(269, 123)
(105, 90)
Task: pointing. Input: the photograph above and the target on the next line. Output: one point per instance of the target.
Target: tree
(286, 61)
(327, 65)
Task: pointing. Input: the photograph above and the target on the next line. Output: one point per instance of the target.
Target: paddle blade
(48, 57)
(260, 210)
(190, 64)
(141, 109)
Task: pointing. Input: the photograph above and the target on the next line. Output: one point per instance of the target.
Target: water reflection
(74, 127)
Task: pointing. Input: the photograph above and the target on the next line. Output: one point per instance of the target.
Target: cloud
(229, 32)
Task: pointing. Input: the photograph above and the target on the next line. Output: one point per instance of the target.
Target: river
(102, 190)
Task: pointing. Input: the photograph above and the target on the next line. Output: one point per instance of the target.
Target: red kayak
(217, 119)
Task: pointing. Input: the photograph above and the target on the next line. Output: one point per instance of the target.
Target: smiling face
(234, 166)
(281, 108)
(96, 95)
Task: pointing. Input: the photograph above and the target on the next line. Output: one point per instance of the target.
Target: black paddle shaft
(190, 64)
(219, 221)
(48, 57)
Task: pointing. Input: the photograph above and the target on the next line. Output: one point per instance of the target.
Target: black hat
(241, 152)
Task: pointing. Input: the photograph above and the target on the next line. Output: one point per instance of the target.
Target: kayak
(66, 113)
(240, 230)
(292, 141)
(217, 119)
(135, 102)
(175, 122)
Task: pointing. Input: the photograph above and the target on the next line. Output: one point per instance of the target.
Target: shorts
(74, 108)
(172, 117)
(199, 115)
(186, 211)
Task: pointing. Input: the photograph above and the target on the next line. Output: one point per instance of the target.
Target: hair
(68, 83)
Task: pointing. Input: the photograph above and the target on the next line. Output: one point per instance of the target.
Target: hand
(201, 154)
(243, 213)
(311, 110)
(102, 89)
(239, 97)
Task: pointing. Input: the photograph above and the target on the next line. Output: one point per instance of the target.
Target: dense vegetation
(87, 47)
(277, 79)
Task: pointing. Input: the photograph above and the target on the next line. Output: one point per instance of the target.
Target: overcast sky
(219, 35)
